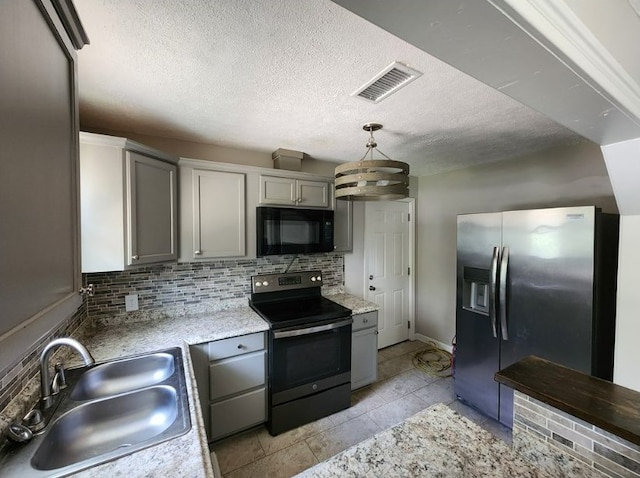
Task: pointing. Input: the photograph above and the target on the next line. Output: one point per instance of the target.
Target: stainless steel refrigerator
(538, 282)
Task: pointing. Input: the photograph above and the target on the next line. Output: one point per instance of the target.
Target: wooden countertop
(611, 407)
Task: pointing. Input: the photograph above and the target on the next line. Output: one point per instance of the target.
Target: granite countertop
(187, 455)
(356, 304)
(440, 442)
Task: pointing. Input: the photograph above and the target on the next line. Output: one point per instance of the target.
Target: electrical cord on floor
(433, 361)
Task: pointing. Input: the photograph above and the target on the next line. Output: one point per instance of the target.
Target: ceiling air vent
(387, 82)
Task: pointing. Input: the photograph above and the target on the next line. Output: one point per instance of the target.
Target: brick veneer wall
(599, 449)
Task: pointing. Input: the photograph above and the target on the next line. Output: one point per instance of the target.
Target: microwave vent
(287, 159)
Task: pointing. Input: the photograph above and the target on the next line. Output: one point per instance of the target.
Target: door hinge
(409, 217)
(408, 271)
(408, 324)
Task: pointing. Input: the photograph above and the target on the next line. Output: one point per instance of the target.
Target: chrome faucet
(45, 378)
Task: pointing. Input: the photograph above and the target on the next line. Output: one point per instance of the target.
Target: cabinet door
(364, 361)
(313, 193)
(235, 414)
(218, 214)
(39, 257)
(275, 190)
(151, 210)
(343, 226)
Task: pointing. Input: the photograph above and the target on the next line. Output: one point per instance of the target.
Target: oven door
(308, 360)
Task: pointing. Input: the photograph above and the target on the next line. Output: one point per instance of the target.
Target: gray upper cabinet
(294, 192)
(213, 218)
(40, 247)
(343, 226)
(128, 203)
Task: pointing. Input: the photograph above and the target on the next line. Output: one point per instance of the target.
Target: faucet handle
(34, 420)
(59, 379)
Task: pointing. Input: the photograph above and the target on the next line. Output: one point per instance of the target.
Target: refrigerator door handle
(493, 281)
(504, 264)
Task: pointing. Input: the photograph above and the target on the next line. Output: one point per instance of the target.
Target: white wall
(562, 177)
(623, 163)
(627, 356)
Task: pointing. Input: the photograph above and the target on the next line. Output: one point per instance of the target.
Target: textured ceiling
(264, 75)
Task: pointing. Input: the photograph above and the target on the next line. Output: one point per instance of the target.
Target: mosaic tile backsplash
(193, 283)
(15, 378)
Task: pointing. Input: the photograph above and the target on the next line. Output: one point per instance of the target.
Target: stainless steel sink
(107, 411)
(123, 376)
(101, 427)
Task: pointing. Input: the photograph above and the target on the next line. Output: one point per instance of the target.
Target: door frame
(412, 265)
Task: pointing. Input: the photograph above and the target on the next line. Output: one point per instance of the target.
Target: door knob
(372, 288)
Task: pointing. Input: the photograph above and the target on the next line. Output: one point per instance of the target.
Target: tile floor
(400, 392)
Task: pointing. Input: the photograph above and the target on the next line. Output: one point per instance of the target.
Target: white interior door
(387, 260)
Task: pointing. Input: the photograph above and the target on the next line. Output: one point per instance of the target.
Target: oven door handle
(311, 330)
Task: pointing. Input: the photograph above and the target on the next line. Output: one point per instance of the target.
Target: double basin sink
(107, 411)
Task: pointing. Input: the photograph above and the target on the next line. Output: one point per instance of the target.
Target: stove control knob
(319, 278)
(258, 284)
(313, 278)
(265, 283)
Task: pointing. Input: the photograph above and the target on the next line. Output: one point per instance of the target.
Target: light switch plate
(131, 302)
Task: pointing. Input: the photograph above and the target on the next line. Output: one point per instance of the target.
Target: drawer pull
(365, 321)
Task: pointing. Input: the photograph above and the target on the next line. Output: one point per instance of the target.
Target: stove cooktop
(299, 311)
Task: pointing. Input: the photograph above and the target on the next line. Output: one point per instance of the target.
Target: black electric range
(309, 348)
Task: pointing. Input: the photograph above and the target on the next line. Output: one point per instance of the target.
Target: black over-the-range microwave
(283, 230)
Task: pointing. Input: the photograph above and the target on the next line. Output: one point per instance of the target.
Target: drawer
(233, 375)
(364, 321)
(238, 413)
(243, 344)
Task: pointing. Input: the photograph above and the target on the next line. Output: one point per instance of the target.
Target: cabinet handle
(365, 321)
(135, 258)
(197, 253)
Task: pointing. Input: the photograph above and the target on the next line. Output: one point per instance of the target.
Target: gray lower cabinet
(364, 350)
(231, 378)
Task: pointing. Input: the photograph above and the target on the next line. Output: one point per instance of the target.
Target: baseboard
(442, 345)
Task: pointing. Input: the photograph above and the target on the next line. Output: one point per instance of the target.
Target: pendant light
(372, 179)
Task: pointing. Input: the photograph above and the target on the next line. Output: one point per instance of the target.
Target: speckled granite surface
(436, 442)
(187, 455)
(356, 304)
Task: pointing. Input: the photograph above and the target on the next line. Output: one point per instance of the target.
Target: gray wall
(566, 176)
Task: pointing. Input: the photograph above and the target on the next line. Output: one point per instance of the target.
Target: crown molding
(554, 25)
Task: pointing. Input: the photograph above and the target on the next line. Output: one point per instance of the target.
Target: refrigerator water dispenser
(475, 290)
